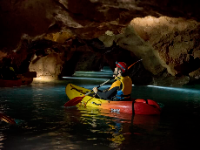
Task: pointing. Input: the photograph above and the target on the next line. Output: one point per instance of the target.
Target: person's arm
(108, 94)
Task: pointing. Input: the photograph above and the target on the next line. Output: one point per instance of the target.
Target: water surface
(43, 122)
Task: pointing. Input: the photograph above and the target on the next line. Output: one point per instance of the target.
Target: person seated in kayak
(121, 89)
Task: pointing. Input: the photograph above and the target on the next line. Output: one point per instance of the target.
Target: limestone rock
(131, 41)
(47, 66)
(174, 40)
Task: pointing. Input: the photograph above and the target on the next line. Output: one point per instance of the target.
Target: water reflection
(115, 128)
(2, 138)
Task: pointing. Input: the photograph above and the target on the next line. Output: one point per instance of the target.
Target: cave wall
(30, 17)
(50, 65)
(175, 40)
(130, 41)
(164, 34)
(162, 43)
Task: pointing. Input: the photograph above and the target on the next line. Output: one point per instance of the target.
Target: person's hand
(95, 89)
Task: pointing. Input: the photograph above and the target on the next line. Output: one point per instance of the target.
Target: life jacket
(125, 87)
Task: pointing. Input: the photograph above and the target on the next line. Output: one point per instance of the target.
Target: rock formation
(85, 34)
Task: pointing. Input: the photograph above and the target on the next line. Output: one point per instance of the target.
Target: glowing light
(44, 79)
(175, 89)
(90, 75)
(85, 78)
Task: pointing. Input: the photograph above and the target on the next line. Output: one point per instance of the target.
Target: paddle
(134, 63)
(7, 119)
(77, 100)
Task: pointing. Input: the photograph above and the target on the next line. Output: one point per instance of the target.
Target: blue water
(43, 122)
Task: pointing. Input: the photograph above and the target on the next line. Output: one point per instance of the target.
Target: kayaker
(121, 89)
(7, 71)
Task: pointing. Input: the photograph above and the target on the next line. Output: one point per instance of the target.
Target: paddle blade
(7, 119)
(73, 101)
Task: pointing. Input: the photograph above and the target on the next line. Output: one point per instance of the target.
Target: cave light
(44, 79)
(186, 90)
(84, 78)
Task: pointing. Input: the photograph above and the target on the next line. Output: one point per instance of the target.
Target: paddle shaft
(99, 86)
(103, 83)
(134, 63)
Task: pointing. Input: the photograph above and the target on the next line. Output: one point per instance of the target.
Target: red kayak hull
(140, 107)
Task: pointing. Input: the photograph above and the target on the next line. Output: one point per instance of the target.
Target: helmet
(121, 65)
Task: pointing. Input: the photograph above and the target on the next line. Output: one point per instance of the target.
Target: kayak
(17, 82)
(135, 106)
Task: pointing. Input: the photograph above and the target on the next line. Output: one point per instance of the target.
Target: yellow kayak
(136, 106)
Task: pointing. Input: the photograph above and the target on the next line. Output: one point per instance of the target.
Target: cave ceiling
(87, 19)
(165, 34)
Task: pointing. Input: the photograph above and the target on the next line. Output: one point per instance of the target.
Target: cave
(44, 44)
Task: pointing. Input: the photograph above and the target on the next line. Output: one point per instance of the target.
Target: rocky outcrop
(49, 66)
(174, 41)
(130, 41)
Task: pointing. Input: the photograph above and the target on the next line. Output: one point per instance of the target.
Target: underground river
(43, 122)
